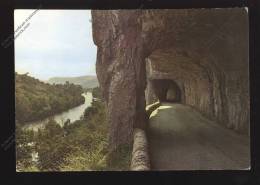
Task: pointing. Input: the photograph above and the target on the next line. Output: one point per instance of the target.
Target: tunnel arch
(166, 90)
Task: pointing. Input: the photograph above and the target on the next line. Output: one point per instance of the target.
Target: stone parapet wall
(140, 156)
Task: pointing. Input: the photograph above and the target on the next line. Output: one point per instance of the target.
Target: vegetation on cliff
(78, 146)
(36, 100)
(96, 92)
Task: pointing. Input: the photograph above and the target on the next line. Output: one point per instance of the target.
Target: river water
(72, 114)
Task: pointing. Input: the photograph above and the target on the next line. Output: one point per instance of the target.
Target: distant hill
(84, 81)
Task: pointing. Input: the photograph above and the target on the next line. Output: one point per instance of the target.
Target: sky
(54, 43)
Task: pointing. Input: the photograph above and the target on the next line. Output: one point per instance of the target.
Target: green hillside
(35, 100)
(84, 81)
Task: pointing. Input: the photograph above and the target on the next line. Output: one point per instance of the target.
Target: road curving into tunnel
(180, 138)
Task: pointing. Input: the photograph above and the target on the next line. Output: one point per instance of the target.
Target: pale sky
(56, 43)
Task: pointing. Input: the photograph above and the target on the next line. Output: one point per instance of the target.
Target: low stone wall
(151, 108)
(140, 157)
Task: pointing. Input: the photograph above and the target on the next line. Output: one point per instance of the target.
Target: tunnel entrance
(166, 90)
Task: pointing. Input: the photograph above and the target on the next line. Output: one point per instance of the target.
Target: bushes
(24, 147)
(77, 146)
(80, 146)
(52, 149)
(96, 92)
(92, 110)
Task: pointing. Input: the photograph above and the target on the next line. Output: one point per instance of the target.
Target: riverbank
(35, 100)
(72, 114)
(51, 114)
(79, 146)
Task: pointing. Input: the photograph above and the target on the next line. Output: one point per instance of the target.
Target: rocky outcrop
(120, 71)
(204, 51)
(150, 96)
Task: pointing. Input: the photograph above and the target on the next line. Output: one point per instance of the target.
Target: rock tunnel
(195, 57)
(166, 90)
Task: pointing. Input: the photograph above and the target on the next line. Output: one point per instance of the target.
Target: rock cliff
(203, 51)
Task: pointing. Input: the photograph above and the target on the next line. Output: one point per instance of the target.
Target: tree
(23, 147)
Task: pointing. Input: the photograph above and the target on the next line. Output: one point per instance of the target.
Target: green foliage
(96, 93)
(24, 147)
(81, 145)
(36, 100)
(52, 147)
(92, 110)
(90, 137)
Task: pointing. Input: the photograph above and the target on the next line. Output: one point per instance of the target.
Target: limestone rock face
(205, 52)
(120, 71)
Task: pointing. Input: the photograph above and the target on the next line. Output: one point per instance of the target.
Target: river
(72, 114)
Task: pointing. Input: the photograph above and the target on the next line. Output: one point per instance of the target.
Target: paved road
(180, 138)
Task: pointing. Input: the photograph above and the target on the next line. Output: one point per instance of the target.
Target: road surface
(180, 138)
